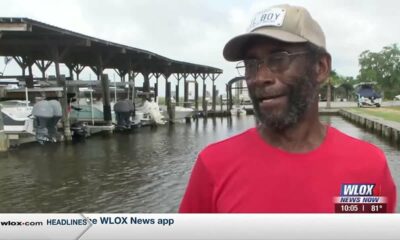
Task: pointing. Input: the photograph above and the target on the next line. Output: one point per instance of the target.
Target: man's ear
(323, 68)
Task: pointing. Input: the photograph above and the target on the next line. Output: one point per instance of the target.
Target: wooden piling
(177, 94)
(64, 100)
(196, 96)
(185, 91)
(170, 105)
(221, 102)
(4, 144)
(204, 102)
(106, 99)
(214, 97)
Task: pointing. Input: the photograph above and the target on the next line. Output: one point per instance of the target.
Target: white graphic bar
(199, 226)
(361, 199)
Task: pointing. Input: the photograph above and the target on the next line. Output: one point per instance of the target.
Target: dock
(31, 43)
(387, 129)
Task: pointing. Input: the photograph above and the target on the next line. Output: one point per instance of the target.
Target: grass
(387, 113)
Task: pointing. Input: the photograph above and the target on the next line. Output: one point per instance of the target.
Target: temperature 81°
(376, 208)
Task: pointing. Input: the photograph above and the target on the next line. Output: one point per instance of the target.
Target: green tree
(383, 68)
(348, 86)
(340, 86)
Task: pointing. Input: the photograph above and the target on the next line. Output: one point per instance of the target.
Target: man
(291, 162)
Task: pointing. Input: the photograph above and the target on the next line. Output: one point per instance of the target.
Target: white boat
(152, 110)
(367, 96)
(238, 111)
(17, 116)
(9, 83)
(180, 112)
(146, 114)
(87, 110)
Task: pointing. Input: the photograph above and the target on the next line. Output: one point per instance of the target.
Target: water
(144, 171)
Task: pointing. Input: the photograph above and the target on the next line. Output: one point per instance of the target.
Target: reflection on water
(144, 171)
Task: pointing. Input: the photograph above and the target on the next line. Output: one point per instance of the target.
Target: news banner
(199, 226)
(360, 198)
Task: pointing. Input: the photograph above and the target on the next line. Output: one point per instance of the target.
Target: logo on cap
(269, 17)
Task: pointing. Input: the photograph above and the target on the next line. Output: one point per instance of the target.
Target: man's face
(281, 95)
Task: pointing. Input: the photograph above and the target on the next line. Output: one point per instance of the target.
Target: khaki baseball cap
(285, 23)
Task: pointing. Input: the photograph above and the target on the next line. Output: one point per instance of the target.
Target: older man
(290, 162)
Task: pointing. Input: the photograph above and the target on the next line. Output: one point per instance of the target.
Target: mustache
(260, 94)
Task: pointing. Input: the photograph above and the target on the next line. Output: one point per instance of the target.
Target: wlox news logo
(360, 193)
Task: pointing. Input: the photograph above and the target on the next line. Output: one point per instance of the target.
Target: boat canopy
(368, 92)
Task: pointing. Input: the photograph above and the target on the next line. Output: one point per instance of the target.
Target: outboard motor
(43, 113)
(79, 130)
(123, 112)
(52, 125)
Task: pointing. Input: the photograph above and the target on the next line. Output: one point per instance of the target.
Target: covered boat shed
(32, 42)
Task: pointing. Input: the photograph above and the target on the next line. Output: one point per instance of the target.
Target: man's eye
(276, 59)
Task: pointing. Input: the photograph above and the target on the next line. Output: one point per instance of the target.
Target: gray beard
(301, 95)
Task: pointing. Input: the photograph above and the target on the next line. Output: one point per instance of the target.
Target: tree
(348, 86)
(339, 86)
(382, 67)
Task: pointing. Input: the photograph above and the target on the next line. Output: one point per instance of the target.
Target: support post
(204, 102)
(146, 84)
(43, 66)
(64, 101)
(29, 80)
(166, 76)
(4, 144)
(178, 77)
(155, 90)
(222, 103)
(21, 61)
(229, 96)
(214, 97)
(170, 105)
(196, 95)
(185, 90)
(132, 82)
(214, 91)
(106, 99)
(177, 93)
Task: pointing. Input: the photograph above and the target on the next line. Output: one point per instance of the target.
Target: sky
(197, 30)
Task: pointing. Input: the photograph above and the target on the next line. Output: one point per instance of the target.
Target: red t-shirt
(243, 174)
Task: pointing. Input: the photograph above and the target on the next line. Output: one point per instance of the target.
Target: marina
(145, 171)
(154, 119)
(31, 43)
(119, 146)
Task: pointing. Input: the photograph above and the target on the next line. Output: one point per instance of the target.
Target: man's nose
(264, 75)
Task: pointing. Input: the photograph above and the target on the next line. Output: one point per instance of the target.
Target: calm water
(145, 171)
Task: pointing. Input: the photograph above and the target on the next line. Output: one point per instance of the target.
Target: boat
(180, 112)
(367, 96)
(17, 117)
(146, 114)
(85, 111)
(150, 109)
(47, 114)
(10, 83)
(238, 111)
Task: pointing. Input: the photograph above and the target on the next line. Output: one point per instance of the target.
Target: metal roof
(34, 39)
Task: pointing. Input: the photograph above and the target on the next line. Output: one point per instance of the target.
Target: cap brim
(233, 50)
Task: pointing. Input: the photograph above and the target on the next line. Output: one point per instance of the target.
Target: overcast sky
(196, 30)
